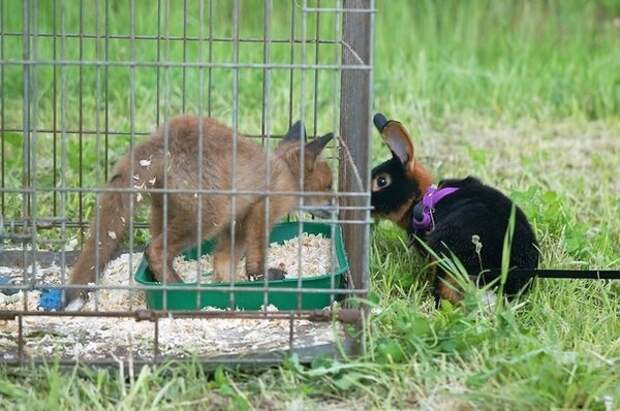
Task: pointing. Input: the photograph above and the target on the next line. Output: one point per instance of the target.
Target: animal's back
(190, 171)
(184, 135)
(482, 211)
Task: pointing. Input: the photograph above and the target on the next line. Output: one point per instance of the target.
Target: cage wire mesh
(84, 82)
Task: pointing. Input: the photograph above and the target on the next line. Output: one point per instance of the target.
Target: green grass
(525, 95)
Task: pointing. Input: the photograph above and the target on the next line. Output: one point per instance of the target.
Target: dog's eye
(382, 181)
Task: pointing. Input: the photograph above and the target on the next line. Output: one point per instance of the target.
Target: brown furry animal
(217, 174)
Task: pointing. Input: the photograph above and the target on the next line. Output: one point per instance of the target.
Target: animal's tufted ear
(312, 150)
(296, 133)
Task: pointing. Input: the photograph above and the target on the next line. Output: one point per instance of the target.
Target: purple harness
(431, 198)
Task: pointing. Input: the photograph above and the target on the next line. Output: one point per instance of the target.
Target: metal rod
(174, 38)
(235, 128)
(132, 138)
(81, 119)
(355, 128)
(3, 119)
(169, 64)
(266, 130)
(186, 287)
(135, 190)
(347, 316)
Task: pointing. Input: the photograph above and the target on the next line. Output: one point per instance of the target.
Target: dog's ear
(296, 134)
(396, 137)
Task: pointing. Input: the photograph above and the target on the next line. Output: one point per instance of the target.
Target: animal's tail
(114, 215)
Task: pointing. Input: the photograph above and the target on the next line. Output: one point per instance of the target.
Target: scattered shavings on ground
(105, 338)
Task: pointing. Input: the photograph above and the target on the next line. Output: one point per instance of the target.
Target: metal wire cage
(82, 83)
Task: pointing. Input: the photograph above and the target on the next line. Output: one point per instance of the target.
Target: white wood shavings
(315, 256)
(89, 338)
(315, 260)
(112, 235)
(145, 163)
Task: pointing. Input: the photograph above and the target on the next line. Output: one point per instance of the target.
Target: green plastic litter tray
(179, 297)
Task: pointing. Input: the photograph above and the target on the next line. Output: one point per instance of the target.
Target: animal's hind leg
(257, 244)
(157, 215)
(223, 262)
(178, 236)
(445, 287)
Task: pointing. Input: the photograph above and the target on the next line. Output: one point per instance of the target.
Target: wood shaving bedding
(315, 251)
(100, 338)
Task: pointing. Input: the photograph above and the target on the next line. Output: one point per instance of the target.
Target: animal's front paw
(273, 274)
(276, 274)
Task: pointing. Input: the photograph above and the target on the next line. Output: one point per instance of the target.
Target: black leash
(561, 273)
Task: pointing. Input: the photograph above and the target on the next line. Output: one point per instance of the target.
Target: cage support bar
(355, 132)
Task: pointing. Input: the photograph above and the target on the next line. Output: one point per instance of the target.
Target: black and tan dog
(464, 217)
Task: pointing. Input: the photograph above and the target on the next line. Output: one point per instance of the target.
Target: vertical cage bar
(157, 69)
(54, 116)
(266, 135)
(355, 105)
(132, 143)
(26, 109)
(63, 145)
(2, 119)
(184, 69)
(106, 76)
(336, 100)
(20, 339)
(210, 70)
(302, 115)
(317, 34)
(81, 123)
(266, 45)
(201, 98)
(235, 127)
(33, 147)
(97, 146)
(26, 182)
(166, 116)
(292, 61)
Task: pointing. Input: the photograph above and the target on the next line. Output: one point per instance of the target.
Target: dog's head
(401, 181)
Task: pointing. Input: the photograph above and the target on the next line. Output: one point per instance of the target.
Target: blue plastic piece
(6, 280)
(51, 300)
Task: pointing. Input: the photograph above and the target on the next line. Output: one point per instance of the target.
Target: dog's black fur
(475, 209)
